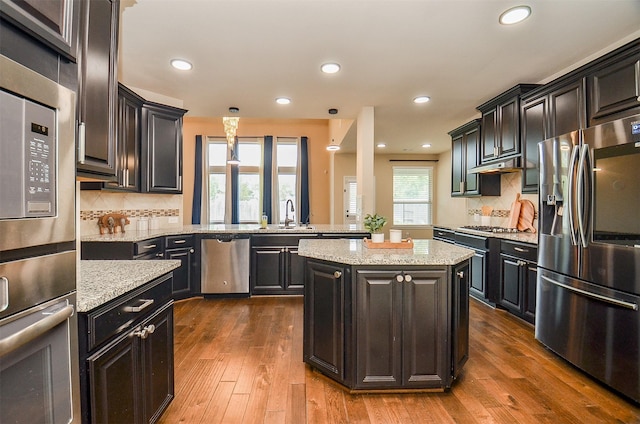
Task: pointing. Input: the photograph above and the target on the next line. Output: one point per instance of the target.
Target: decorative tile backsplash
(165, 208)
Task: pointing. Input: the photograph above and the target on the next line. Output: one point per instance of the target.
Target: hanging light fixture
(230, 129)
(333, 147)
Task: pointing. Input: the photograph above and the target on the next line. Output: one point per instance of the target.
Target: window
(412, 195)
(217, 171)
(287, 173)
(249, 187)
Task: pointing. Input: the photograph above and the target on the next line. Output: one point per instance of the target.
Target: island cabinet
(386, 327)
(518, 279)
(126, 351)
(500, 137)
(97, 93)
(465, 154)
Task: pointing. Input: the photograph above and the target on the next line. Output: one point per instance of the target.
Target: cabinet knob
(460, 274)
(160, 255)
(399, 278)
(144, 333)
(408, 278)
(337, 274)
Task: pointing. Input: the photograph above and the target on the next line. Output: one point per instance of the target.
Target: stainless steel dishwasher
(225, 264)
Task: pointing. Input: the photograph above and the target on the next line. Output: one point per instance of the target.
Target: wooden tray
(404, 244)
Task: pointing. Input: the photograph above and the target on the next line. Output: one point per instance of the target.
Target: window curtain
(267, 177)
(235, 198)
(304, 182)
(196, 206)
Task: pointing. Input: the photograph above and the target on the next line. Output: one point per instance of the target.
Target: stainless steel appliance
(38, 326)
(588, 284)
(225, 264)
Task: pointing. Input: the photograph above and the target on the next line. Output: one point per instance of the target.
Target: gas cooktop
(490, 229)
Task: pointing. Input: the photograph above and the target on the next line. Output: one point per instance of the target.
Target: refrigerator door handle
(571, 191)
(617, 302)
(581, 199)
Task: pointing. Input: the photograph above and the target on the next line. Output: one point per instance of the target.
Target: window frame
(427, 171)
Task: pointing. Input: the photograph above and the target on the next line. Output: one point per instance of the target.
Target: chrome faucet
(287, 220)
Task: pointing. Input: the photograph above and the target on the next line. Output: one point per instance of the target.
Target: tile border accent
(131, 213)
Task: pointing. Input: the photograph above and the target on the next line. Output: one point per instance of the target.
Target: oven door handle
(32, 332)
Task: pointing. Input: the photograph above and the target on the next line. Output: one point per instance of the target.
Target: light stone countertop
(102, 281)
(354, 252)
(131, 235)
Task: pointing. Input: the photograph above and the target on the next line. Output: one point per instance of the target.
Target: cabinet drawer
(123, 314)
(148, 247)
(521, 250)
(444, 234)
(180, 241)
(475, 242)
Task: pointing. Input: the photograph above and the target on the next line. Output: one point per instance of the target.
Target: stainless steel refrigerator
(588, 287)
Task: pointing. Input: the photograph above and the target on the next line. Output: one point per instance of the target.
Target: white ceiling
(247, 53)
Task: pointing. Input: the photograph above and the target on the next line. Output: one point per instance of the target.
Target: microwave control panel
(28, 162)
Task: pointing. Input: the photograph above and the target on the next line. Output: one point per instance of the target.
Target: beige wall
(317, 131)
(450, 211)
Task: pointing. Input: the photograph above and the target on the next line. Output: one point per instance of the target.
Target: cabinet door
(163, 150)
(458, 169)
(511, 283)
(534, 130)
(489, 127)
(424, 329)
(157, 364)
(324, 318)
(97, 99)
(378, 337)
(460, 318)
(614, 88)
(267, 264)
(114, 375)
(472, 186)
(508, 140)
(294, 271)
(183, 276)
(477, 272)
(567, 110)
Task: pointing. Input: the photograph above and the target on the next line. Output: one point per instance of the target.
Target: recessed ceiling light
(381, 145)
(514, 15)
(426, 145)
(421, 99)
(181, 64)
(283, 100)
(330, 68)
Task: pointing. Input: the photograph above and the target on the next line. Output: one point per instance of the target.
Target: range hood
(501, 167)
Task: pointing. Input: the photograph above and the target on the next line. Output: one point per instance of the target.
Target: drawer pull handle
(179, 242)
(337, 274)
(150, 246)
(135, 309)
(520, 249)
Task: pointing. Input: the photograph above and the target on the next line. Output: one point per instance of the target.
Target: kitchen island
(386, 319)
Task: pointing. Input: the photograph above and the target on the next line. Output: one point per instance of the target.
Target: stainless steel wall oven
(38, 325)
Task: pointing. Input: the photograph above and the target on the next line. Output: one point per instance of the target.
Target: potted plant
(373, 224)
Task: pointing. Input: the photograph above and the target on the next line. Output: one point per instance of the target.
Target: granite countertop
(522, 237)
(354, 252)
(102, 281)
(133, 235)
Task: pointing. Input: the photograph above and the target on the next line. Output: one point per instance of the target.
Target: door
(349, 202)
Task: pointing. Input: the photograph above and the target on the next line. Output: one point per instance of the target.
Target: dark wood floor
(240, 361)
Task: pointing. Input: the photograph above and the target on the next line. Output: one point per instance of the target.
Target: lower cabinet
(483, 271)
(182, 248)
(126, 349)
(386, 329)
(518, 274)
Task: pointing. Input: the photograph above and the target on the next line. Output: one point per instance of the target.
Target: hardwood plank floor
(240, 361)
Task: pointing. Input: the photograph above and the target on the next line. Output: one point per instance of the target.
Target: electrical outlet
(173, 220)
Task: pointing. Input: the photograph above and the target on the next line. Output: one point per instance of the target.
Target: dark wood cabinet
(518, 274)
(54, 22)
(460, 318)
(444, 234)
(614, 85)
(126, 349)
(325, 317)
(554, 110)
(128, 132)
(182, 248)
(464, 156)
(401, 330)
(500, 122)
(482, 272)
(161, 148)
(276, 267)
(97, 92)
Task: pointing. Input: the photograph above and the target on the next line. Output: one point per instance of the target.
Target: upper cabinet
(97, 93)
(464, 156)
(613, 83)
(550, 111)
(161, 148)
(53, 22)
(501, 125)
